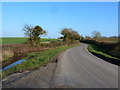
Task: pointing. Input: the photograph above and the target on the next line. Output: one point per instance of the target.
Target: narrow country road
(76, 68)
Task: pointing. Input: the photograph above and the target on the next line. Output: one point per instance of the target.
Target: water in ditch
(13, 64)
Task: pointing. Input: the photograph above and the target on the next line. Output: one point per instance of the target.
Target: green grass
(36, 59)
(13, 40)
(95, 49)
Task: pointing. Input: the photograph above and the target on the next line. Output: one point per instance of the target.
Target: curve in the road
(78, 68)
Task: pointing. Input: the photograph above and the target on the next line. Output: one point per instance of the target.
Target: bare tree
(96, 34)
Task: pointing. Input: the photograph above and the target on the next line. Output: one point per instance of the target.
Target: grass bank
(36, 59)
(94, 49)
(110, 48)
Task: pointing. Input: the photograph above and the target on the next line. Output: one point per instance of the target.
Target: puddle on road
(13, 64)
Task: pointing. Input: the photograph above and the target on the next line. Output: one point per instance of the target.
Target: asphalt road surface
(76, 68)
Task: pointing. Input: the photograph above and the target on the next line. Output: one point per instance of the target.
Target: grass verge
(100, 53)
(36, 59)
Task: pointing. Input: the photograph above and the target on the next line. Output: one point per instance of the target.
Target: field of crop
(21, 40)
